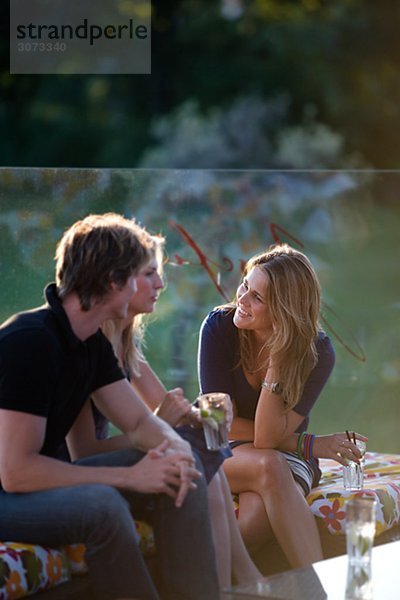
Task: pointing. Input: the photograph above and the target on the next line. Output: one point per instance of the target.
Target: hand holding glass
(353, 472)
(216, 415)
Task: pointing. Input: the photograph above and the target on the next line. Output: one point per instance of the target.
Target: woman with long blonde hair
(126, 336)
(268, 351)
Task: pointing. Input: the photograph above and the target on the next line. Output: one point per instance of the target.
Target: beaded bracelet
(308, 446)
(305, 444)
(312, 446)
(300, 445)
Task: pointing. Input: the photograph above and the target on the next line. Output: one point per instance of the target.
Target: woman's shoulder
(220, 317)
(324, 346)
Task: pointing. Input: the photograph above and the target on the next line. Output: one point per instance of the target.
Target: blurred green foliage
(335, 62)
(348, 223)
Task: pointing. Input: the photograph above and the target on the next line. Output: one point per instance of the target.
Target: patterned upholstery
(381, 481)
(27, 569)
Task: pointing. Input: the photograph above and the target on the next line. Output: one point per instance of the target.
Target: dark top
(46, 370)
(218, 368)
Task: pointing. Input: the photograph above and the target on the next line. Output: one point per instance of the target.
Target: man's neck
(83, 323)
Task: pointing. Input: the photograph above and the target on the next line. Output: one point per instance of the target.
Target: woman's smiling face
(251, 303)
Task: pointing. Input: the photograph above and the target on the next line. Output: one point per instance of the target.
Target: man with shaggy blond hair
(52, 359)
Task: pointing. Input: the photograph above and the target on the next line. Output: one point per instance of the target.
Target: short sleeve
(106, 368)
(318, 376)
(216, 353)
(28, 371)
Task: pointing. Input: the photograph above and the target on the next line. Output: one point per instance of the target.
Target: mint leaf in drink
(218, 414)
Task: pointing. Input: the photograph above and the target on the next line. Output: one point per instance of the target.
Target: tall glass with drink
(215, 408)
(353, 472)
(360, 532)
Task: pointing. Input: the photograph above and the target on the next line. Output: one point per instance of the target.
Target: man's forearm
(39, 472)
(151, 431)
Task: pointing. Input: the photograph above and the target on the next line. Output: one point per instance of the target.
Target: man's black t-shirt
(46, 370)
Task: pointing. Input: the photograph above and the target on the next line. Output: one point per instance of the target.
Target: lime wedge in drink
(205, 413)
(218, 414)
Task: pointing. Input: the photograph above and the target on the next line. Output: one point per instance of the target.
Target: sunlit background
(262, 119)
(346, 221)
(234, 84)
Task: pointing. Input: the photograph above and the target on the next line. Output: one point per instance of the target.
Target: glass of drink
(360, 532)
(353, 473)
(214, 411)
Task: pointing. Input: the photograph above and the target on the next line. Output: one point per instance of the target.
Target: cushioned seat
(27, 569)
(381, 481)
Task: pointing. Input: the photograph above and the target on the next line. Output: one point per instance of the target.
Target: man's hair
(97, 251)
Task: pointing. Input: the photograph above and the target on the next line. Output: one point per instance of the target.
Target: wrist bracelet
(311, 446)
(308, 446)
(299, 445)
(273, 387)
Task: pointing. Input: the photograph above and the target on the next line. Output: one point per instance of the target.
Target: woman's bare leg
(243, 568)
(267, 473)
(253, 521)
(220, 532)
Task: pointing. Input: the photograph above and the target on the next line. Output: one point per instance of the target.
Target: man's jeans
(100, 517)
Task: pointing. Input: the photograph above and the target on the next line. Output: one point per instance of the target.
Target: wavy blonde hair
(293, 299)
(128, 340)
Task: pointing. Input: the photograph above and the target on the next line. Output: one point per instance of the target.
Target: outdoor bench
(26, 570)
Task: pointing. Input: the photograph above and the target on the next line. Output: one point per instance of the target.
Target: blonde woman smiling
(268, 352)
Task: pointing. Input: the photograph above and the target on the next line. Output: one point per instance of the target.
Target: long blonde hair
(293, 299)
(128, 340)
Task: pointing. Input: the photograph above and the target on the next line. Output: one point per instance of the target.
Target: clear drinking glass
(360, 532)
(353, 473)
(214, 411)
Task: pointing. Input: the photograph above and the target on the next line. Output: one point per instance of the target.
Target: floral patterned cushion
(381, 481)
(26, 569)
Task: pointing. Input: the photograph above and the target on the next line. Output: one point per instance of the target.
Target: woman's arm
(82, 440)
(171, 406)
(149, 386)
(273, 426)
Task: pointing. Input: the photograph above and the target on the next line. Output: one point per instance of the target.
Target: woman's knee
(271, 468)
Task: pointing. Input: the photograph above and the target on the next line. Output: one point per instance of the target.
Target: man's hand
(166, 470)
(186, 464)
